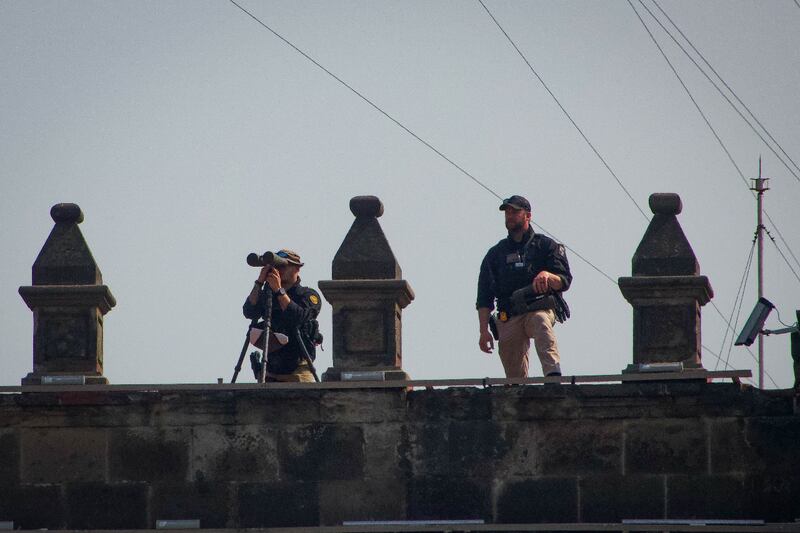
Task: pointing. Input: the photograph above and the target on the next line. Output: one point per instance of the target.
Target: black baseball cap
(517, 202)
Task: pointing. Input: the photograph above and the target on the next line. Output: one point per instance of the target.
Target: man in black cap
(294, 312)
(525, 274)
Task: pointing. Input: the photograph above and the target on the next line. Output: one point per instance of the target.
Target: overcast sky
(190, 135)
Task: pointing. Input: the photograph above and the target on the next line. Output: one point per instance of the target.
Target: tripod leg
(238, 367)
(262, 377)
(306, 356)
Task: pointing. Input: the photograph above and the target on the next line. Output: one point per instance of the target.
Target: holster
(493, 327)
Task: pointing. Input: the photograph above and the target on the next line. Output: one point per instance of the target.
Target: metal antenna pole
(760, 186)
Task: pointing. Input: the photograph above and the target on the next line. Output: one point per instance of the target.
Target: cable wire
(749, 111)
(771, 238)
(367, 100)
(566, 113)
(782, 239)
(404, 128)
(738, 170)
(688, 92)
(739, 293)
(706, 120)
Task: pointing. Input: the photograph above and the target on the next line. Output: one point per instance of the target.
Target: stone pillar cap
(66, 213)
(366, 206)
(665, 203)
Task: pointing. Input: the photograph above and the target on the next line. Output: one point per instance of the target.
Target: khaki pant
(515, 341)
(301, 374)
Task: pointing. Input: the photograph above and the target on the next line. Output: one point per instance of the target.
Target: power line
(768, 145)
(739, 293)
(781, 252)
(705, 118)
(511, 41)
(749, 111)
(367, 100)
(403, 127)
(781, 236)
(688, 92)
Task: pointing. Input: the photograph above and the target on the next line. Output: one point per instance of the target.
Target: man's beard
(512, 226)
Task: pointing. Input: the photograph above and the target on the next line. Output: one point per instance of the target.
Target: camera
(266, 259)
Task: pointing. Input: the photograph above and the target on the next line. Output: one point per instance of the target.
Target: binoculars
(266, 259)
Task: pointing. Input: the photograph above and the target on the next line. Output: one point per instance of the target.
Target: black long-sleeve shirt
(304, 306)
(504, 270)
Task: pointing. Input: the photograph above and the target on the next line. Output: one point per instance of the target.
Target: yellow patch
(313, 299)
(503, 316)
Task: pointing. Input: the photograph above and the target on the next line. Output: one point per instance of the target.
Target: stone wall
(318, 456)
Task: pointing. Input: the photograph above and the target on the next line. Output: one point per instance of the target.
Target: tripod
(267, 314)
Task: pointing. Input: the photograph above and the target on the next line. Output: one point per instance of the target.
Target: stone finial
(666, 290)
(664, 249)
(68, 300)
(366, 206)
(365, 253)
(368, 296)
(65, 258)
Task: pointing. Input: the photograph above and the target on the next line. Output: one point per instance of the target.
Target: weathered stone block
(278, 406)
(321, 452)
(374, 499)
(699, 496)
(83, 409)
(533, 403)
(235, 453)
(189, 408)
(364, 406)
(56, 455)
(382, 451)
(474, 448)
(278, 505)
(580, 447)
(770, 438)
(32, 506)
(614, 498)
(449, 498)
(521, 460)
(423, 450)
(775, 497)
(666, 446)
(211, 503)
(103, 506)
(9, 451)
(729, 450)
(455, 403)
(538, 500)
(149, 454)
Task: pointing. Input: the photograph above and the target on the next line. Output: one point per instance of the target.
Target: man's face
(516, 219)
(288, 273)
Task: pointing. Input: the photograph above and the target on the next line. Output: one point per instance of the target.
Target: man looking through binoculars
(294, 309)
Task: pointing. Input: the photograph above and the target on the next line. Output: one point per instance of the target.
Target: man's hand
(273, 278)
(486, 341)
(545, 281)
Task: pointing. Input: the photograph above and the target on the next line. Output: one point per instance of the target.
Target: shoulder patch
(313, 298)
(561, 251)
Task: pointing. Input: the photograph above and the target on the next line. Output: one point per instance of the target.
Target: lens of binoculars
(267, 259)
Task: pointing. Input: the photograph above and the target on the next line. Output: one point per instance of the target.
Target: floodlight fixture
(755, 323)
